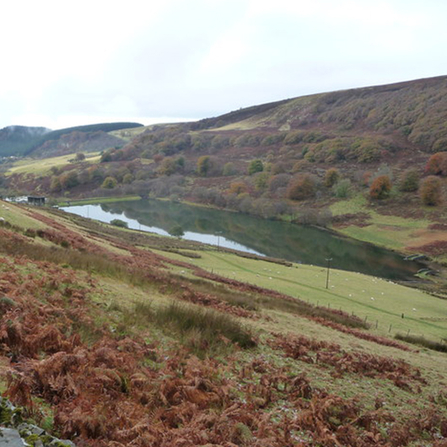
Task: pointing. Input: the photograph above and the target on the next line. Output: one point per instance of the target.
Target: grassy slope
(349, 291)
(43, 166)
(108, 304)
(389, 231)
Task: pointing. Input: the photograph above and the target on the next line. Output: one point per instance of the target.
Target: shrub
(422, 341)
(119, 223)
(278, 181)
(294, 137)
(261, 180)
(431, 191)
(331, 177)
(342, 189)
(273, 139)
(238, 188)
(204, 165)
(255, 166)
(229, 169)
(409, 180)
(109, 183)
(176, 231)
(437, 164)
(128, 179)
(301, 187)
(380, 188)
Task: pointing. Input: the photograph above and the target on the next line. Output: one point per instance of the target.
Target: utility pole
(218, 239)
(328, 268)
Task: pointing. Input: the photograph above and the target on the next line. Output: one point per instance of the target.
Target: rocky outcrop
(15, 432)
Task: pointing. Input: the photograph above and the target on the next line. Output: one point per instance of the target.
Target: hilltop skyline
(149, 62)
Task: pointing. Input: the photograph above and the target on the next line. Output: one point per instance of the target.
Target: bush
(409, 180)
(119, 223)
(301, 187)
(431, 191)
(380, 188)
(109, 183)
(255, 166)
(237, 188)
(331, 177)
(204, 165)
(342, 189)
(437, 164)
(229, 169)
(422, 341)
(176, 231)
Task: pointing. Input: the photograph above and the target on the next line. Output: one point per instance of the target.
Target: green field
(43, 166)
(392, 232)
(380, 302)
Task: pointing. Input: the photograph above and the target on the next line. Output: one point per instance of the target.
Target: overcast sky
(71, 63)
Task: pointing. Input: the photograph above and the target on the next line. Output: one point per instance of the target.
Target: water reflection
(242, 232)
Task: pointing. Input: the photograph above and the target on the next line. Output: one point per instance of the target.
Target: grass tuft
(205, 328)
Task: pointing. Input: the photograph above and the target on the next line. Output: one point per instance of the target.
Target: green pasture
(381, 302)
(387, 231)
(16, 215)
(97, 200)
(43, 166)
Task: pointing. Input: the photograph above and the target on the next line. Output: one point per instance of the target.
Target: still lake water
(247, 233)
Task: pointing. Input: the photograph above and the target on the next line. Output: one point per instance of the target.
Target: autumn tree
(69, 180)
(168, 166)
(301, 187)
(238, 188)
(430, 191)
(437, 164)
(380, 188)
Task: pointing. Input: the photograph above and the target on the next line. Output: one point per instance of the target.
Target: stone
(10, 438)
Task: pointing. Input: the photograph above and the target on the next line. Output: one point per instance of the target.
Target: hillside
(112, 337)
(369, 162)
(89, 138)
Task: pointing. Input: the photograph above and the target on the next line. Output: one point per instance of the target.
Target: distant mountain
(40, 141)
(89, 138)
(17, 140)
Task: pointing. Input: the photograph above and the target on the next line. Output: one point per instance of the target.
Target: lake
(238, 231)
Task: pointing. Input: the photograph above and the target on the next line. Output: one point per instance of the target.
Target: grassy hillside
(115, 337)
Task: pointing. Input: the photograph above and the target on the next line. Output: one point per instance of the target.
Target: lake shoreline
(272, 238)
